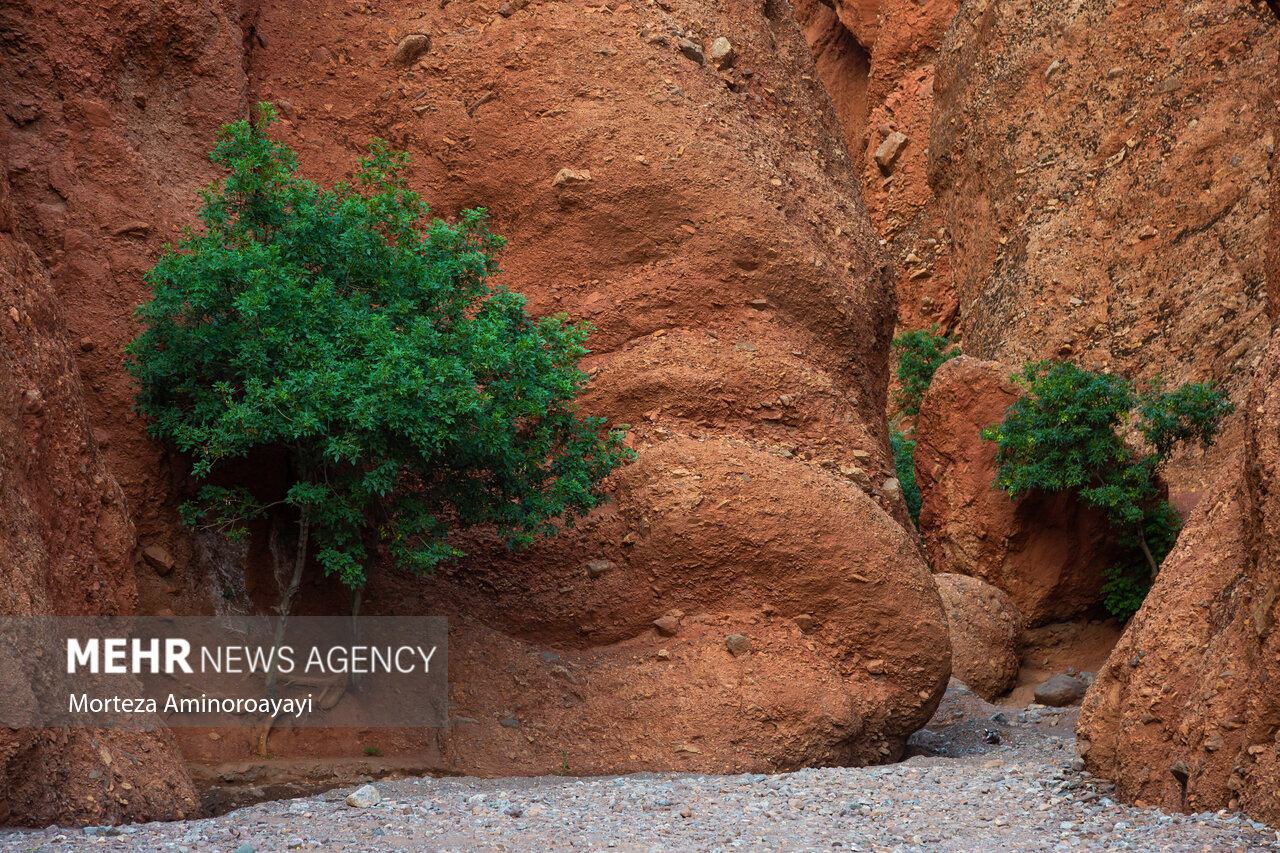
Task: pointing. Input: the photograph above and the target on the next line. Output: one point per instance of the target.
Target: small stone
(737, 644)
(159, 558)
(805, 622)
(366, 796)
(663, 654)
(722, 53)
(563, 673)
(889, 150)
(509, 722)
(1060, 691)
(513, 811)
(686, 812)
(410, 49)
(667, 626)
(87, 345)
(596, 568)
(875, 667)
(32, 401)
(892, 489)
(571, 176)
(692, 50)
(1052, 69)
(245, 848)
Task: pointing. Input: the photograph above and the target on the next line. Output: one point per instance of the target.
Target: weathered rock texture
(1186, 714)
(743, 313)
(986, 634)
(108, 117)
(1102, 171)
(1046, 551)
(877, 59)
(710, 228)
(66, 549)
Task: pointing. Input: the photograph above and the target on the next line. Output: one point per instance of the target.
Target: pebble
(364, 797)
(692, 50)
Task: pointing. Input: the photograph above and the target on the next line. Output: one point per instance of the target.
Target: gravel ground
(957, 792)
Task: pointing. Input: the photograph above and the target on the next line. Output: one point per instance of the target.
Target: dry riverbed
(958, 792)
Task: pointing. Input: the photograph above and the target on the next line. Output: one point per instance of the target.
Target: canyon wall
(710, 228)
(1102, 171)
(106, 119)
(699, 209)
(1185, 714)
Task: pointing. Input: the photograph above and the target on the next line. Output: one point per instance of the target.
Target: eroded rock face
(66, 548)
(742, 312)
(1046, 551)
(1185, 713)
(705, 219)
(986, 634)
(1105, 186)
(877, 60)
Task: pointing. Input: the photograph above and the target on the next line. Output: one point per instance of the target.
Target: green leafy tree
(920, 353)
(365, 343)
(904, 463)
(1064, 434)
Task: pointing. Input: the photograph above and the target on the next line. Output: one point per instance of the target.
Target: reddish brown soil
(743, 311)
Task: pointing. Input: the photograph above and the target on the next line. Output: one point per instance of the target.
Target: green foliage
(1124, 588)
(365, 342)
(1186, 414)
(920, 353)
(1126, 582)
(1064, 435)
(904, 453)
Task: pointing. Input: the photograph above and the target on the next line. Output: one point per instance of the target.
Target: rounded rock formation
(986, 634)
(1046, 551)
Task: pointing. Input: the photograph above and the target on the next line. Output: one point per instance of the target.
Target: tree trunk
(286, 603)
(357, 596)
(1146, 552)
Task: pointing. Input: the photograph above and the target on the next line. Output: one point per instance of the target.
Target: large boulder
(986, 634)
(1046, 551)
(1185, 714)
(706, 221)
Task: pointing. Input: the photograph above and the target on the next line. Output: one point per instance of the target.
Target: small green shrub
(904, 462)
(920, 353)
(1064, 435)
(1124, 588)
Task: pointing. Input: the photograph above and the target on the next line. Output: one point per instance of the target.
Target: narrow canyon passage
(745, 200)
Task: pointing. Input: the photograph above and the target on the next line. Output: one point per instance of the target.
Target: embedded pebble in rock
(954, 794)
(692, 50)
